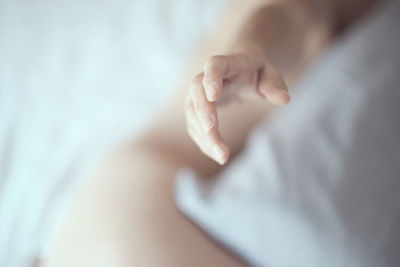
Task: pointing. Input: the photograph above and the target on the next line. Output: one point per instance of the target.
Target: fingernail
(284, 98)
(207, 123)
(218, 151)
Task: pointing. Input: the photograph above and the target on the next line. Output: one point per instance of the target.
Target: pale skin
(125, 214)
(226, 73)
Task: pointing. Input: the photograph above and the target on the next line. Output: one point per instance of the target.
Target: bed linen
(320, 184)
(76, 77)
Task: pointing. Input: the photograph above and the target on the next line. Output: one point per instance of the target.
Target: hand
(224, 77)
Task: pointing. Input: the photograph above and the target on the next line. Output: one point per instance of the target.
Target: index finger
(220, 67)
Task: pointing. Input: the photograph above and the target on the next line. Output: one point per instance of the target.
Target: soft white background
(75, 77)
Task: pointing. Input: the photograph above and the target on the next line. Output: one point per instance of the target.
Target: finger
(220, 155)
(204, 110)
(217, 145)
(210, 144)
(272, 86)
(218, 68)
(214, 71)
(192, 122)
(194, 135)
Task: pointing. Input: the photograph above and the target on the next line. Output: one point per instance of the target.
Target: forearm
(275, 25)
(241, 28)
(288, 33)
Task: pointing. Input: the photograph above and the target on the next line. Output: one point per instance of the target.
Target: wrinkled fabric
(319, 185)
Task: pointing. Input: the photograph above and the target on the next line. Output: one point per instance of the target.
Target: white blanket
(320, 185)
(75, 77)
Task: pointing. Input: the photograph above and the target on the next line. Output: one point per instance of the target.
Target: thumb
(272, 86)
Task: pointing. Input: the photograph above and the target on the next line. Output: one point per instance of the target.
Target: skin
(252, 71)
(226, 73)
(125, 214)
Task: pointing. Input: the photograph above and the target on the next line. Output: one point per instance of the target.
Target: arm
(126, 215)
(285, 34)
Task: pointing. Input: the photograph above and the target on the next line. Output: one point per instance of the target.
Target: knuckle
(196, 80)
(188, 104)
(202, 108)
(189, 113)
(215, 61)
(195, 87)
(190, 122)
